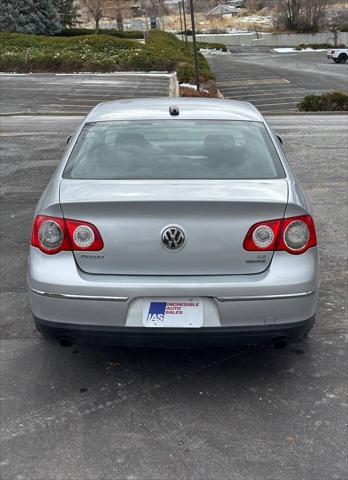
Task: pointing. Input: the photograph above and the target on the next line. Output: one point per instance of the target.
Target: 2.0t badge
(173, 237)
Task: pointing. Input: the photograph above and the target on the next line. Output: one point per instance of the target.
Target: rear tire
(336, 60)
(342, 58)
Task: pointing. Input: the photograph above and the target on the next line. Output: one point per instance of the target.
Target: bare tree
(95, 10)
(337, 22)
(303, 15)
(314, 13)
(109, 9)
(293, 8)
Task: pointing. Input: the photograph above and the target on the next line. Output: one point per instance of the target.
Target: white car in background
(338, 55)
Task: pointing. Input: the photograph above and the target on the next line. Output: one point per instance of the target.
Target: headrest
(214, 143)
(131, 139)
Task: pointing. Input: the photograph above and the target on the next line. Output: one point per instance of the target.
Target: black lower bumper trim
(153, 337)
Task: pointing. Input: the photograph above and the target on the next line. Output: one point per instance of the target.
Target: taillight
(84, 236)
(332, 52)
(294, 235)
(297, 235)
(53, 234)
(256, 240)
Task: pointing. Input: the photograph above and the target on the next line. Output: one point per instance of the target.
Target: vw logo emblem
(172, 237)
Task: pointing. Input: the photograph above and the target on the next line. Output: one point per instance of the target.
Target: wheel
(342, 58)
(336, 60)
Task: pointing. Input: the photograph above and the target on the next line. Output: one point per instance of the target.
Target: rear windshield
(174, 149)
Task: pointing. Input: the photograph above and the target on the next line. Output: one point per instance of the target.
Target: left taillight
(53, 235)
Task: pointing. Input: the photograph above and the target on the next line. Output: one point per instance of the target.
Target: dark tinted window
(174, 149)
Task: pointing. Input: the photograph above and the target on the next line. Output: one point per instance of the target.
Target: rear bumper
(285, 293)
(160, 338)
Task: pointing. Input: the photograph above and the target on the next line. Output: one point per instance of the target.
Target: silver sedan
(173, 220)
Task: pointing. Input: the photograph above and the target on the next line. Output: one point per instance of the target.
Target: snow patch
(193, 87)
(207, 52)
(292, 50)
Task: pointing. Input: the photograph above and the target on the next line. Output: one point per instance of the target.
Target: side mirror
(68, 139)
(280, 139)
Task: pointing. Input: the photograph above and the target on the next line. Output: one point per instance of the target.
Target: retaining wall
(270, 39)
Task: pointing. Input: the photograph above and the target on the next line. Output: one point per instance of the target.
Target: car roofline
(158, 108)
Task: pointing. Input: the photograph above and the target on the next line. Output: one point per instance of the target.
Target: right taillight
(297, 234)
(294, 235)
(54, 234)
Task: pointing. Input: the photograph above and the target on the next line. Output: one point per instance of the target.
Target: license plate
(173, 313)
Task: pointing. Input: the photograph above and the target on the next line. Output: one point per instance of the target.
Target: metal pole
(194, 44)
(184, 15)
(182, 33)
(161, 13)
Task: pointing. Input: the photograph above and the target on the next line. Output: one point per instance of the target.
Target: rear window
(174, 149)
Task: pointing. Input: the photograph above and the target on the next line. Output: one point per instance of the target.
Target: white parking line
(265, 95)
(271, 104)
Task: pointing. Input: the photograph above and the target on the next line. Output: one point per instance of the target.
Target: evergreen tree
(68, 12)
(40, 17)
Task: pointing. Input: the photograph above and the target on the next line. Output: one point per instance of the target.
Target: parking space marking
(77, 92)
(270, 81)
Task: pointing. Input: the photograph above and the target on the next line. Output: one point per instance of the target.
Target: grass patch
(328, 102)
(99, 53)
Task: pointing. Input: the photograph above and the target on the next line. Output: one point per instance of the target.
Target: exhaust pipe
(280, 343)
(65, 341)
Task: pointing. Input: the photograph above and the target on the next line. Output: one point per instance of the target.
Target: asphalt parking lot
(276, 82)
(107, 413)
(75, 93)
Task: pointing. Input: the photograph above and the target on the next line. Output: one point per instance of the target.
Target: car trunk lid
(214, 215)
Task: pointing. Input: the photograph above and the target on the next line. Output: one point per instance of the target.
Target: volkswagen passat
(173, 218)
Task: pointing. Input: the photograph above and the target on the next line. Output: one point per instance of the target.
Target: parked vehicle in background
(338, 55)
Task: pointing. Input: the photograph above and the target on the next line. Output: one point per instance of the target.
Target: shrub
(317, 46)
(335, 101)
(180, 53)
(76, 32)
(99, 53)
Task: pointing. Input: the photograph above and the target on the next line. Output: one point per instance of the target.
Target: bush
(317, 46)
(335, 101)
(76, 32)
(180, 54)
(99, 53)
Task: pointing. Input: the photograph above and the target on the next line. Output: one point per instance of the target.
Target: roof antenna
(173, 110)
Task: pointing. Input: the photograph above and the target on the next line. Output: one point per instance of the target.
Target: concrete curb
(173, 86)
